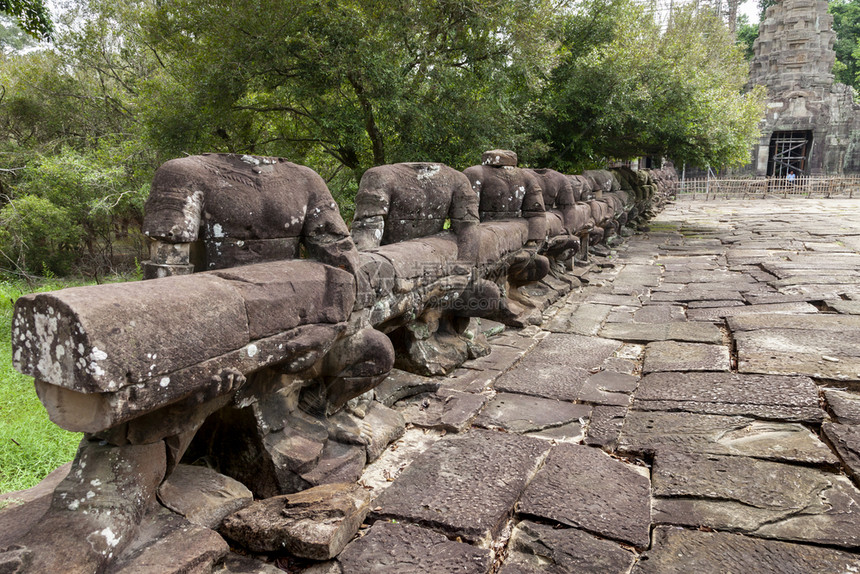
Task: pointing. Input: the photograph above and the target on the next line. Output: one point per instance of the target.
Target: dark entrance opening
(789, 152)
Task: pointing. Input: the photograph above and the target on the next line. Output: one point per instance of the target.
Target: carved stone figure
(512, 229)
(417, 225)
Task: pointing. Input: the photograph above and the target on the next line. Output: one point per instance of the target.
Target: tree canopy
(32, 16)
(341, 86)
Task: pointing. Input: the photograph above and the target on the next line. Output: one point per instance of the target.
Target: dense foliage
(340, 85)
(846, 24)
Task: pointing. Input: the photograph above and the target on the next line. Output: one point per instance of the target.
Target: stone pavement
(694, 407)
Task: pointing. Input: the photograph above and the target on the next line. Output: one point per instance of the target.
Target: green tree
(32, 16)
(747, 35)
(364, 82)
(642, 90)
(846, 24)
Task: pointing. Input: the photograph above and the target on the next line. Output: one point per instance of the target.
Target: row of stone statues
(268, 321)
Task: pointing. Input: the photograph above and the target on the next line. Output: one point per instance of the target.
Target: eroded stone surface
(203, 496)
(522, 413)
(316, 523)
(768, 499)
(761, 396)
(585, 488)
(166, 543)
(407, 548)
(605, 426)
(464, 485)
(656, 432)
(680, 551)
(846, 440)
(647, 332)
(844, 405)
(400, 384)
(575, 350)
(447, 409)
(537, 377)
(583, 319)
(540, 548)
(608, 388)
(673, 356)
(716, 313)
(815, 353)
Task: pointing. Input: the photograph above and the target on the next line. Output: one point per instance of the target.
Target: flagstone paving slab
(761, 396)
(522, 413)
(405, 548)
(647, 332)
(566, 490)
(584, 319)
(539, 378)
(464, 485)
(660, 314)
(815, 353)
(681, 551)
(608, 388)
(575, 350)
(675, 356)
(650, 432)
(716, 313)
(765, 498)
(604, 426)
(540, 548)
(844, 405)
(846, 440)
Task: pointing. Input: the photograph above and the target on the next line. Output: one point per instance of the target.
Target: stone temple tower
(812, 125)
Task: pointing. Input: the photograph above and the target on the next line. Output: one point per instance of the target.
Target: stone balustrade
(266, 322)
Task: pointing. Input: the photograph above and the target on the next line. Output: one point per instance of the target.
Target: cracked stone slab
(470, 380)
(681, 551)
(316, 523)
(762, 396)
(675, 356)
(464, 485)
(400, 384)
(647, 332)
(569, 433)
(584, 319)
(585, 488)
(844, 307)
(523, 413)
(166, 542)
(815, 353)
(539, 548)
(764, 498)
(844, 405)
(407, 548)
(604, 426)
(608, 388)
(650, 432)
(447, 409)
(717, 313)
(846, 440)
(203, 496)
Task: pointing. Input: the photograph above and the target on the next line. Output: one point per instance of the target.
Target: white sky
(750, 9)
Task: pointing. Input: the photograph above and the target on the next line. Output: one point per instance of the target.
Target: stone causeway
(692, 405)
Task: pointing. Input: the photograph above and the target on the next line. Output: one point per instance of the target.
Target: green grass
(31, 446)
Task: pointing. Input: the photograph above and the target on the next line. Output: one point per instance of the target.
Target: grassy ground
(31, 446)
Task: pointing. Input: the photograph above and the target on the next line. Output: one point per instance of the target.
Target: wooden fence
(803, 186)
